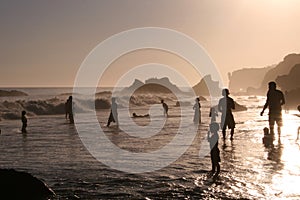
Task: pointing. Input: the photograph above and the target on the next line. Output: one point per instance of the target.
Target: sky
(44, 43)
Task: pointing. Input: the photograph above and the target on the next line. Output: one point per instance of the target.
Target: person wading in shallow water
(165, 107)
(197, 113)
(226, 104)
(113, 116)
(24, 122)
(275, 99)
(213, 137)
(69, 109)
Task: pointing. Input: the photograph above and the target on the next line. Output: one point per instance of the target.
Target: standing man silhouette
(24, 122)
(226, 104)
(113, 116)
(197, 113)
(165, 107)
(275, 99)
(69, 109)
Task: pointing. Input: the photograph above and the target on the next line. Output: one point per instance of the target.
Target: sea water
(53, 152)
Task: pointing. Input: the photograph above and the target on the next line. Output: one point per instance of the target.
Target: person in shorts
(225, 106)
(275, 100)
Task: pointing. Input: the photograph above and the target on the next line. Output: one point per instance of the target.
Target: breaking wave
(11, 109)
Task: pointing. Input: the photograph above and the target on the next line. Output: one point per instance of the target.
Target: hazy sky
(43, 43)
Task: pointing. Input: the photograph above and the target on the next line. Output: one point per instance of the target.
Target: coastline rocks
(22, 185)
(12, 93)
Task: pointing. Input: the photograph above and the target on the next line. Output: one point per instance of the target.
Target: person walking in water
(226, 104)
(197, 113)
(213, 137)
(69, 109)
(275, 99)
(24, 122)
(113, 116)
(165, 107)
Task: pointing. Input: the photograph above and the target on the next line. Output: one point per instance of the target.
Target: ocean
(56, 152)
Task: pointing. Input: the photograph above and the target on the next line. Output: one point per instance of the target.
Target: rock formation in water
(201, 89)
(153, 85)
(21, 185)
(12, 93)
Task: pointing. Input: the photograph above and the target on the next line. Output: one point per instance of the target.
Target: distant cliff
(290, 85)
(290, 81)
(283, 68)
(240, 80)
(255, 81)
(201, 89)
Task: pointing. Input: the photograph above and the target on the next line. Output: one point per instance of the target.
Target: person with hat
(225, 106)
(275, 99)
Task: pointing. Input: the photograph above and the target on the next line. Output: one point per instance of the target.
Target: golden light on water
(290, 124)
(285, 183)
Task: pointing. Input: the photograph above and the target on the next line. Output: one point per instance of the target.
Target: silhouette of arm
(266, 105)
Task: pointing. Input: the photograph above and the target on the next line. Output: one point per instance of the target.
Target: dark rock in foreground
(21, 185)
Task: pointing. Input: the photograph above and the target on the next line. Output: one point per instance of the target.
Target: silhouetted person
(213, 137)
(197, 113)
(69, 109)
(275, 99)
(24, 122)
(226, 104)
(165, 107)
(113, 116)
(268, 138)
(66, 108)
(134, 115)
(213, 113)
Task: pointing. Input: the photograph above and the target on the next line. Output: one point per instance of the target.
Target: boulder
(22, 185)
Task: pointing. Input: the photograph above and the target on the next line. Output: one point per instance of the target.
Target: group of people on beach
(274, 102)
